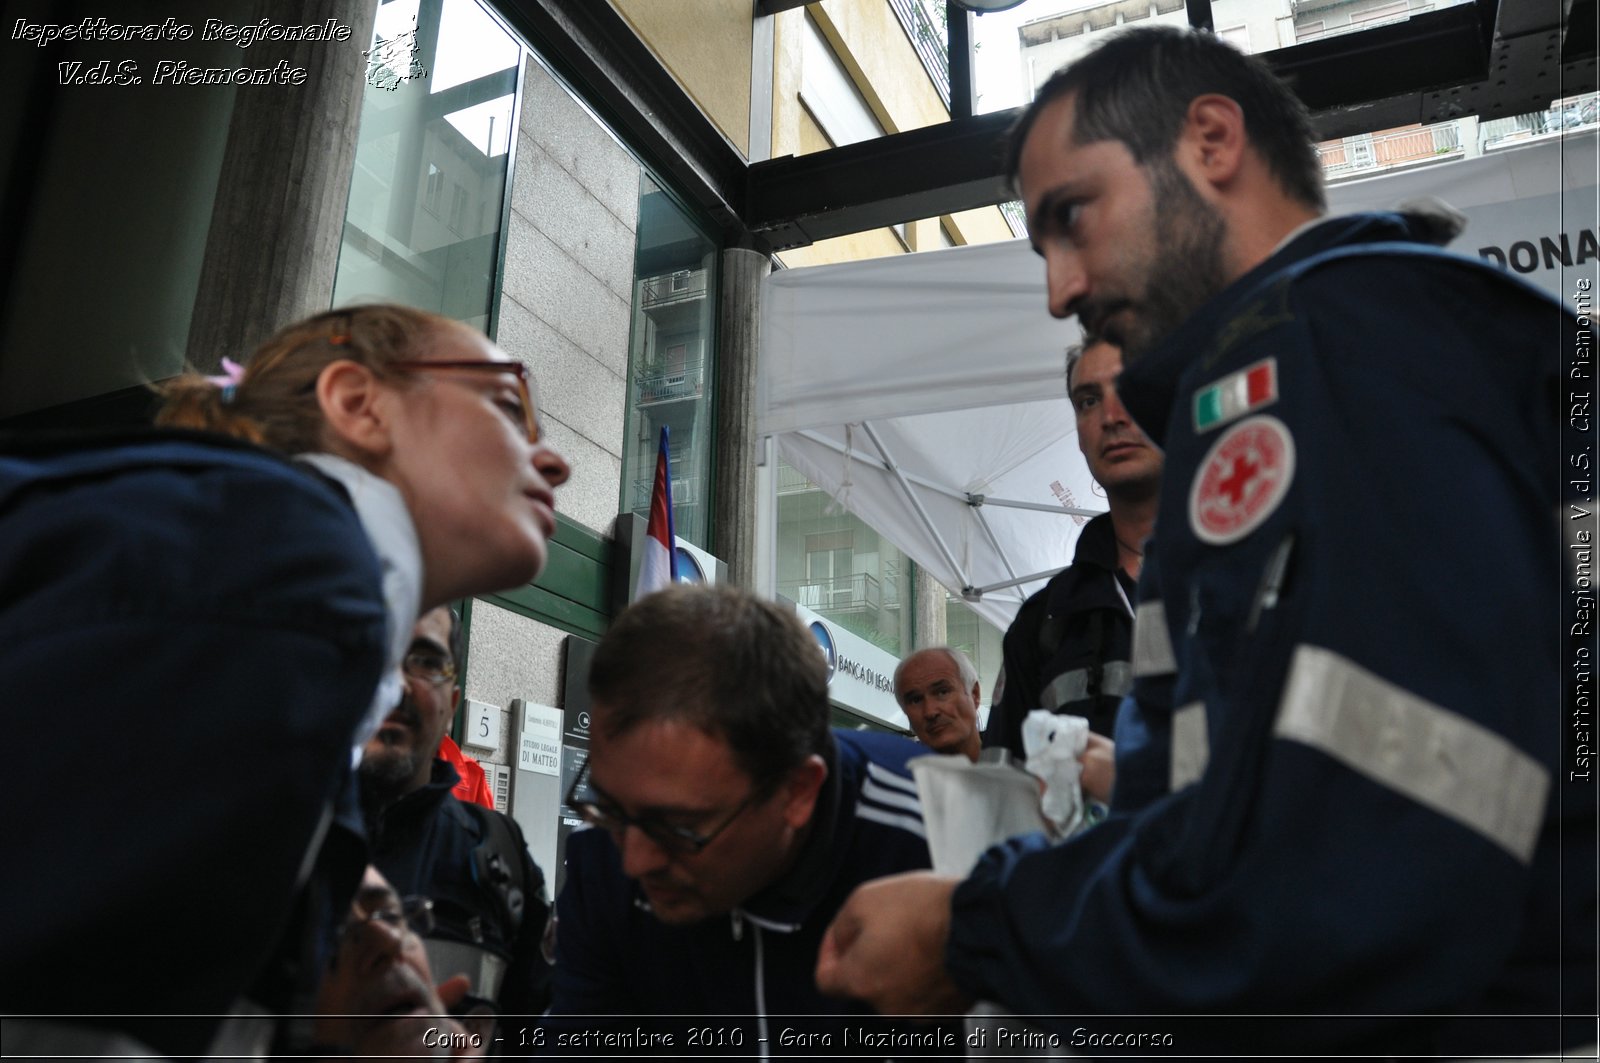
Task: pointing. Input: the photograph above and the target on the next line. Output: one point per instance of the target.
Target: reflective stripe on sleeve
(1116, 679)
(1432, 755)
(1191, 745)
(1152, 648)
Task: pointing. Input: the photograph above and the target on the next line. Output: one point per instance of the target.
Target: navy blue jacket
(613, 957)
(1343, 754)
(427, 843)
(196, 625)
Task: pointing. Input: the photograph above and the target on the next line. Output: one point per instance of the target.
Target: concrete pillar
(280, 205)
(930, 621)
(733, 512)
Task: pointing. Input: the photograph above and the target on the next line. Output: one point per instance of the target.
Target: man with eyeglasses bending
(378, 996)
(489, 910)
(731, 823)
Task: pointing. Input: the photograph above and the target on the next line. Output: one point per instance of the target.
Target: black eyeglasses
(523, 413)
(679, 841)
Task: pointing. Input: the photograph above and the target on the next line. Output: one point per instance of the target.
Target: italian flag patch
(1236, 395)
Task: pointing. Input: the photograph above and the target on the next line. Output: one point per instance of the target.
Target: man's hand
(886, 947)
(1099, 760)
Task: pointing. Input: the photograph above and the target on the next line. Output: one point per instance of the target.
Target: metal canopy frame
(1493, 58)
(884, 461)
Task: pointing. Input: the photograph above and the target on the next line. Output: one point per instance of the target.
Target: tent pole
(916, 503)
(856, 455)
(1019, 581)
(1066, 511)
(988, 533)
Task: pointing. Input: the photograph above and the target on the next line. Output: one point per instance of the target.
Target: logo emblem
(689, 570)
(1242, 480)
(819, 631)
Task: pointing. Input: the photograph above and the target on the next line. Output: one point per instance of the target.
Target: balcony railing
(841, 594)
(1307, 27)
(927, 34)
(673, 287)
(1565, 116)
(686, 491)
(659, 384)
(1387, 150)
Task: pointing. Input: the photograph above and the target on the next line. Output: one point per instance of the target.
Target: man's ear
(1212, 143)
(801, 790)
(356, 418)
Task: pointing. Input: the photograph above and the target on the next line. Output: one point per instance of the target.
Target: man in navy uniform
(489, 908)
(1350, 690)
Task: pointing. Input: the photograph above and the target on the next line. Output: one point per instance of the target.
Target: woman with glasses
(213, 621)
(428, 426)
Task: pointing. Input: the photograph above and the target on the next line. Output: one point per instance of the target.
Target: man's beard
(387, 771)
(1185, 267)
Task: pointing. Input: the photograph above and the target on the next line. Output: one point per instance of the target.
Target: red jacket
(474, 786)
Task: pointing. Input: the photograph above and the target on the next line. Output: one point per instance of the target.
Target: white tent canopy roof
(885, 385)
(924, 392)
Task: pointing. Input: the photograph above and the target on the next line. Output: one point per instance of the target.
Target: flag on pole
(659, 567)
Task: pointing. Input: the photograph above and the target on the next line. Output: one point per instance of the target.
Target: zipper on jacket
(738, 921)
(761, 995)
(1272, 580)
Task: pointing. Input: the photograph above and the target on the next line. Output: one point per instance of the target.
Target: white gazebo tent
(925, 393)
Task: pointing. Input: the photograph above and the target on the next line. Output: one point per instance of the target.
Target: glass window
(670, 362)
(830, 95)
(979, 640)
(832, 563)
(423, 224)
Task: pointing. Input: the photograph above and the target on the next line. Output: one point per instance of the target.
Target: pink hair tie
(228, 380)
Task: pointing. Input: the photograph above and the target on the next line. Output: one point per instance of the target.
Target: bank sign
(860, 675)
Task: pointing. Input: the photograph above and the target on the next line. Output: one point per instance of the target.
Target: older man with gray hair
(938, 689)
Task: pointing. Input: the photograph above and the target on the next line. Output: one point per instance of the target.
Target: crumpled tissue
(1053, 745)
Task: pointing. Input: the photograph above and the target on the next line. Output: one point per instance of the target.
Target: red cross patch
(1242, 480)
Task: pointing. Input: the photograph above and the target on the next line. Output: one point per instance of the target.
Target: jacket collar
(393, 534)
(1149, 386)
(1084, 586)
(786, 904)
(1097, 544)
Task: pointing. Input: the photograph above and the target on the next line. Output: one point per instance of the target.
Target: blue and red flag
(658, 569)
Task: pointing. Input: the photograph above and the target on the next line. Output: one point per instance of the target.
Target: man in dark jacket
(489, 909)
(730, 822)
(1068, 648)
(1354, 800)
